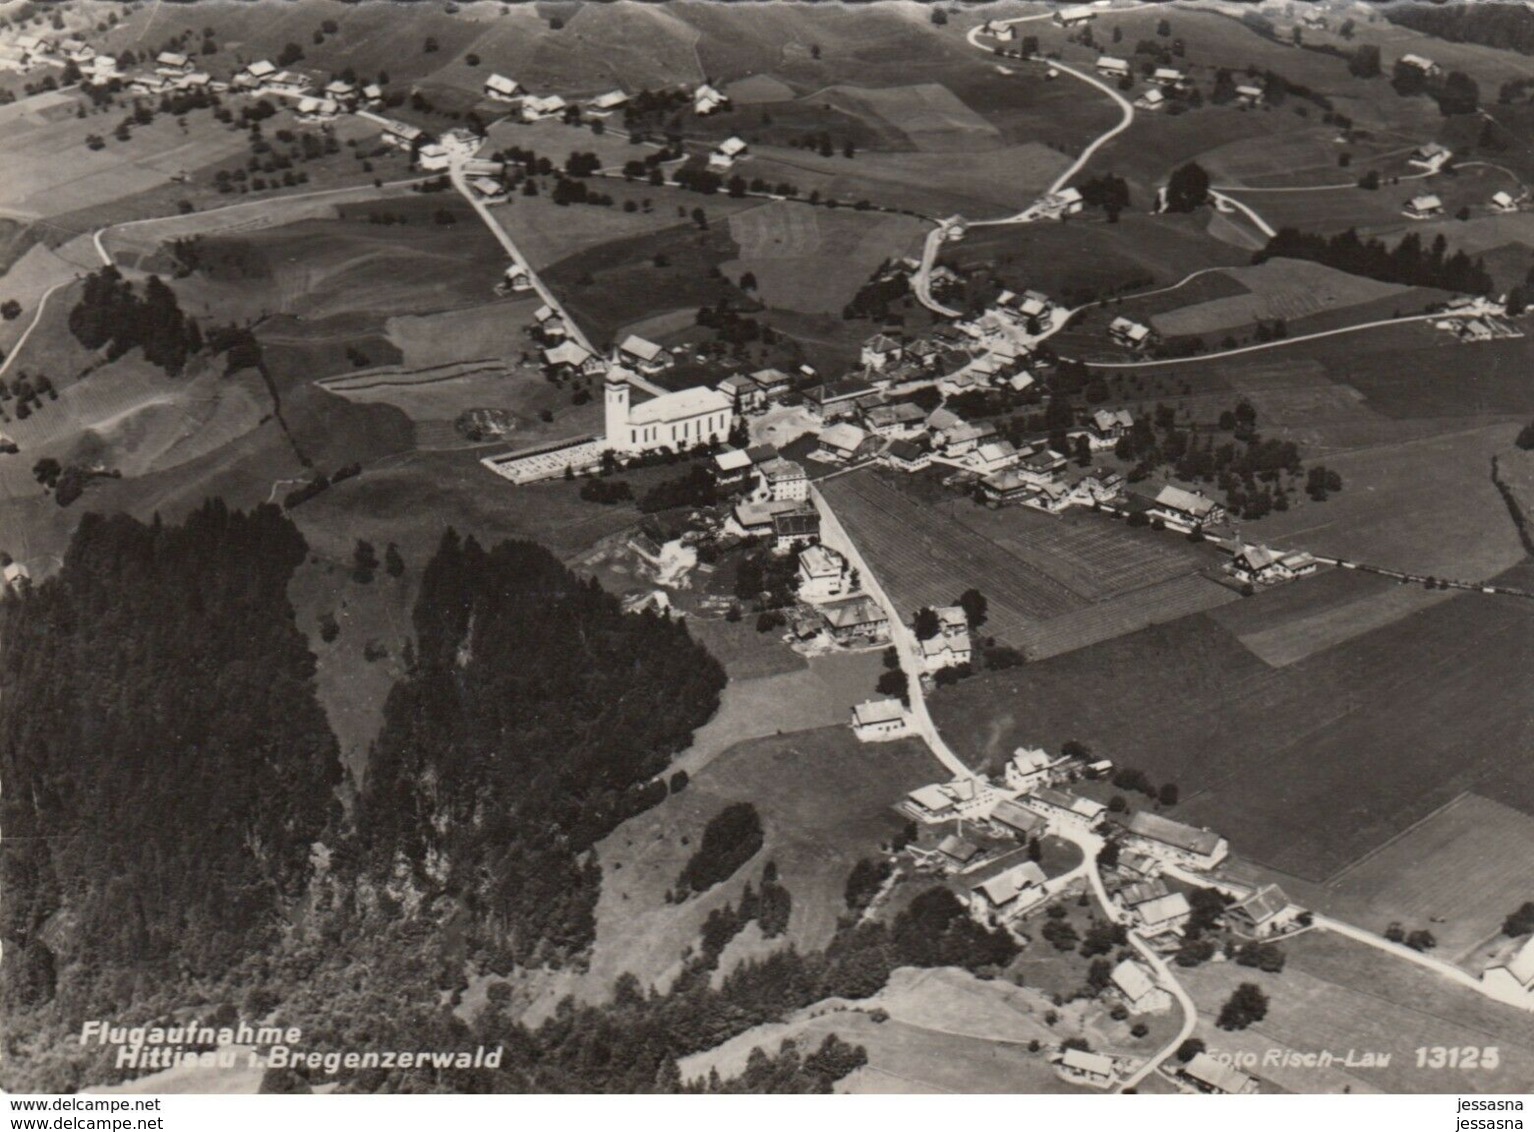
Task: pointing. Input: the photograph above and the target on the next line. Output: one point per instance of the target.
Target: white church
(679, 421)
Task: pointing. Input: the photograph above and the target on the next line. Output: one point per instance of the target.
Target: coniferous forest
(176, 841)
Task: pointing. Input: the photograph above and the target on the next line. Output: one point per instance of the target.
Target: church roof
(684, 405)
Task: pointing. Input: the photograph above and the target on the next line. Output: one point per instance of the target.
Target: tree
(47, 471)
(894, 682)
(1364, 62)
(393, 563)
(1190, 1048)
(926, 624)
(974, 604)
(1459, 95)
(10, 310)
(1520, 922)
(364, 562)
(1247, 1004)
(1188, 188)
(1168, 794)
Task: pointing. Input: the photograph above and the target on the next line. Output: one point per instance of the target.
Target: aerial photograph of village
(728, 547)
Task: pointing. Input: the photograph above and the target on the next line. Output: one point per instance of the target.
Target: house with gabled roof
(1267, 911)
(1164, 915)
(1208, 1074)
(1006, 888)
(1423, 206)
(1185, 509)
(1512, 981)
(1137, 988)
(876, 720)
(1159, 836)
(1127, 332)
(642, 354)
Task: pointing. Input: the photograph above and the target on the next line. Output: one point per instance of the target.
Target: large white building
(679, 421)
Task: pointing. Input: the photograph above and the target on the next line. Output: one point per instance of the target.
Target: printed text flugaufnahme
(165, 1047)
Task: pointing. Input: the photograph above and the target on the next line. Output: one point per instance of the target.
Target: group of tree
(1247, 1004)
(1408, 262)
(1506, 26)
(111, 314)
(1187, 189)
(730, 839)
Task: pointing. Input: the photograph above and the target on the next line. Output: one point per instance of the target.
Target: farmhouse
(992, 457)
(880, 351)
(1423, 64)
(610, 101)
(1152, 99)
(1142, 892)
(908, 455)
(1064, 809)
(1249, 95)
(1092, 1069)
(943, 651)
(823, 574)
(746, 394)
(1128, 333)
(876, 720)
(1006, 888)
(1060, 204)
(15, 576)
(707, 100)
(341, 90)
(903, 418)
(773, 382)
(172, 61)
(570, 357)
(784, 480)
(726, 153)
(501, 89)
(1172, 841)
(1265, 912)
(1168, 76)
(957, 851)
(1211, 1075)
(1186, 508)
(1164, 914)
(401, 134)
(1504, 202)
(432, 157)
(836, 397)
(794, 529)
(677, 421)
(288, 84)
(1112, 66)
(1256, 564)
(1006, 488)
(841, 443)
(372, 94)
(1423, 206)
(1110, 424)
(1431, 157)
(1019, 819)
(257, 72)
(1051, 497)
(1028, 769)
(643, 355)
(855, 619)
(494, 191)
(535, 108)
(77, 51)
(732, 469)
(963, 797)
(1074, 15)
(756, 519)
(1139, 990)
(311, 109)
(1041, 468)
(1512, 982)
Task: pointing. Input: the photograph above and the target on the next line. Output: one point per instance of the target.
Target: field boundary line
(1342, 873)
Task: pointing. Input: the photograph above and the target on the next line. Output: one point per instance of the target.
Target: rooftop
(676, 406)
(887, 711)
